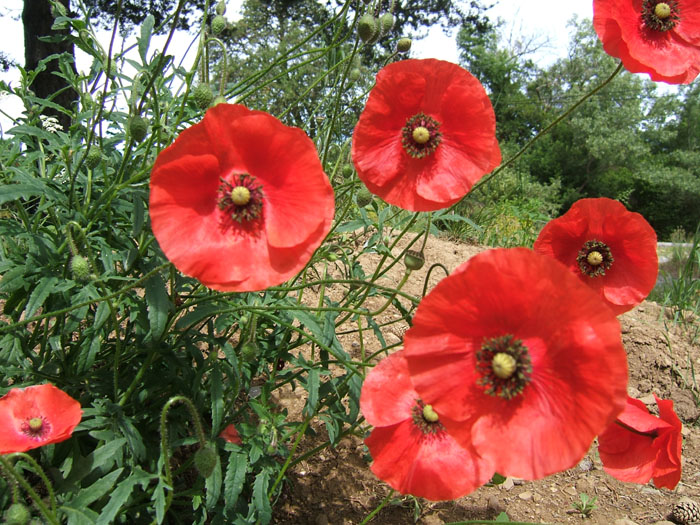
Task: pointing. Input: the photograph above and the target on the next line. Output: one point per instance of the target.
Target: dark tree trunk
(37, 20)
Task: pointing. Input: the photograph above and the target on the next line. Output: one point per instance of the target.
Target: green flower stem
(427, 231)
(137, 378)
(427, 276)
(49, 514)
(56, 313)
(224, 67)
(383, 503)
(300, 434)
(546, 130)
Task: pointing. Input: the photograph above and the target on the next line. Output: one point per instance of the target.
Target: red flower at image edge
(640, 446)
(240, 201)
(230, 434)
(611, 249)
(426, 135)
(35, 416)
(411, 450)
(520, 360)
(658, 37)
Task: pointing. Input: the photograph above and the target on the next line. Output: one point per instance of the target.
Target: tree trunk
(37, 20)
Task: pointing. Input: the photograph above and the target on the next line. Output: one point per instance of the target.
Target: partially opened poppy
(240, 201)
(426, 135)
(411, 450)
(658, 37)
(35, 416)
(230, 434)
(520, 359)
(611, 249)
(640, 446)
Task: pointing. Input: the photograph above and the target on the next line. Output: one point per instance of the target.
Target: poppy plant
(411, 450)
(35, 416)
(640, 446)
(658, 37)
(426, 135)
(520, 359)
(611, 249)
(240, 201)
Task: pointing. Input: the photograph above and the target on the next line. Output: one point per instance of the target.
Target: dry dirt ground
(336, 486)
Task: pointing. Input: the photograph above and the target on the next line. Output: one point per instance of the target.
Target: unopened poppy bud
(17, 514)
(403, 45)
(138, 128)
(347, 171)
(205, 460)
(218, 24)
(221, 8)
(414, 260)
(202, 96)
(355, 74)
(219, 100)
(364, 197)
(250, 351)
(386, 23)
(93, 158)
(367, 28)
(80, 268)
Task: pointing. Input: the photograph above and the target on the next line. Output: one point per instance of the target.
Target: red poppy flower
(412, 452)
(240, 201)
(659, 37)
(35, 416)
(611, 249)
(521, 361)
(426, 135)
(230, 434)
(640, 446)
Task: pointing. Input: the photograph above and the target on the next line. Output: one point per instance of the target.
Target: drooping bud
(205, 459)
(347, 171)
(250, 351)
(386, 23)
(138, 128)
(218, 24)
(93, 158)
(17, 514)
(414, 260)
(403, 45)
(80, 268)
(367, 28)
(221, 8)
(202, 96)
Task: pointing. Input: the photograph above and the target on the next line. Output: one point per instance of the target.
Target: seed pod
(17, 514)
(93, 158)
(80, 268)
(403, 45)
(138, 128)
(218, 24)
(386, 23)
(367, 28)
(414, 260)
(202, 96)
(347, 171)
(205, 459)
(221, 8)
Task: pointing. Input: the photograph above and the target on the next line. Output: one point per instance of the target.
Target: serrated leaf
(235, 477)
(11, 192)
(13, 279)
(217, 397)
(159, 499)
(121, 494)
(101, 315)
(260, 501)
(138, 213)
(213, 485)
(145, 39)
(312, 383)
(105, 455)
(88, 495)
(79, 515)
(39, 295)
(158, 305)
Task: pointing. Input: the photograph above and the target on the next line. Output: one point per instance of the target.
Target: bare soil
(336, 486)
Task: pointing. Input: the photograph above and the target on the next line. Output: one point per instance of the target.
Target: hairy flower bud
(364, 197)
(218, 24)
(403, 45)
(250, 351)
(386, 23)
(80, 268)
(355, 74)
(138, 128)
(17, 514)
(347, 171)
(202, 96)
(93, 158)
(367, 28)
(205, 459)
(221, 8)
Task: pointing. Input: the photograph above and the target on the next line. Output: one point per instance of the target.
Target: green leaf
(260, 501)
(11, 192)
(235, 477)
(158, 305)
(217, 397)
(145, 39)
(88, 495)
(13, 279)
(79, 515)
(159, 499)
(107, 453)
(39, 295)
(502, 518)
(312, 384)
(213, 485)
(121, 494)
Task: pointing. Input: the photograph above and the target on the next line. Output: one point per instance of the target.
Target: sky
(544, 20)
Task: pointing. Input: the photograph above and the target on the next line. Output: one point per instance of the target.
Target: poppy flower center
(594, 258)
(241, 199)
(36, 427)
(421, 135)
(425, 418)
(660, 16)
(504, 366)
